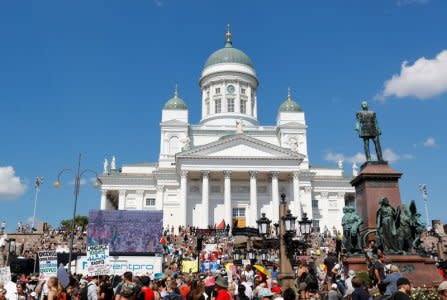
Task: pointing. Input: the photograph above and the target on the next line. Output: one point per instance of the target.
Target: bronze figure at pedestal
(368, 128)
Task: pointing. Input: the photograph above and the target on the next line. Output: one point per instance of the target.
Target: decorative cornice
(274, 174)
(253, 174)
(227, 173)
(205, 173)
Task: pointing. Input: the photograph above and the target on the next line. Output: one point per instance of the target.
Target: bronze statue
(386, 219)
(351, 222)
(367, 127)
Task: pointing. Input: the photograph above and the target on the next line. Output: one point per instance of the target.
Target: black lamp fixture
(251, 254)
(263, 225)
(236, 254)
(289, 222)
(276, 225)
(305, 225)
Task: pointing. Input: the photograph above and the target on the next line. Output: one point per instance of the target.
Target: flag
(221, 225)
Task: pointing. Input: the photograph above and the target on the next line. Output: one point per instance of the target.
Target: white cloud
(359, 158)
(11, 186)
(430, 142)
(407, 2)
(424, 79)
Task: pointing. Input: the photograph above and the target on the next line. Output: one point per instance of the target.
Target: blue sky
(92, 77)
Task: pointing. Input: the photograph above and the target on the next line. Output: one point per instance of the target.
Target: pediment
(240, 146)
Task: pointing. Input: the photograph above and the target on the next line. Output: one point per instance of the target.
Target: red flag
(221, 225)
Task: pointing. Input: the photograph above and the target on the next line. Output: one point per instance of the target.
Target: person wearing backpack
(126, 289)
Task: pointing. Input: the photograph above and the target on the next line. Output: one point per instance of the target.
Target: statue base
(421, 271)
(375, 181)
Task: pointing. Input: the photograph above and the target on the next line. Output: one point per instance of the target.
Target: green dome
(228, 54)
(175, 103)
(289, 105)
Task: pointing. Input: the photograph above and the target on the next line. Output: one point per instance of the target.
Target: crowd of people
(319, 273)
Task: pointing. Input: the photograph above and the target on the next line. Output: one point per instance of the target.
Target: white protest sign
(47, 264)
(5, 275)
(98, 260)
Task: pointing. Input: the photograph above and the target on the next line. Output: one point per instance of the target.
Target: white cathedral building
(228, 166)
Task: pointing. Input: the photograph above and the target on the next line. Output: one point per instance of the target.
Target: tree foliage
(79, 221)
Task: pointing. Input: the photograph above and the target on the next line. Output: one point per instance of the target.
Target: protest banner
(189, 266)
(5, 275)
(98, 262)
(47, 264)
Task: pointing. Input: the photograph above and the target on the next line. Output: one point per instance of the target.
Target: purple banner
(126, 230)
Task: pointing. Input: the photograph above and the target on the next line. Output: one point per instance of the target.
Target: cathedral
(229, 167)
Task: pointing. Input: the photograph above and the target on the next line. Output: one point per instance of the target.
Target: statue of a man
(351, 222)
(239, 126)
(386, 219)
(367, 127)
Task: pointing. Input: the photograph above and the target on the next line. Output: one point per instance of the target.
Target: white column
(183, 197)
(159, 199)
(103, 199)
(227, 199)
(140, 199)
(296, 194)
(275, 197)
(253, 199)
(121, 199)
(205, 199)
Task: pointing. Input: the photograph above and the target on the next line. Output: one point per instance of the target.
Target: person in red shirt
(222, 288)
(146, 291)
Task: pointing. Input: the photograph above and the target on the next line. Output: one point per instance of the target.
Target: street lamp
(263, 225)
(305, 225)
(236, 255)
(424, 191)
(251, 255)
(37, 183)
(289, 222)
(57, 184)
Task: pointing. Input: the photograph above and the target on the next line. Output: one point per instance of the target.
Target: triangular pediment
(240, 146)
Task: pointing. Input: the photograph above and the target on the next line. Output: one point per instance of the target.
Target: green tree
(79, 221)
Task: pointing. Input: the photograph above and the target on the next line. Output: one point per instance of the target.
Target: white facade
(229, 167)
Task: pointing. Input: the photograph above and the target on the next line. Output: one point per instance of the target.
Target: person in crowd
(22, 291)
(348, 283)
(173, 292)
(105, 289)
(241, 293)
(221, 285)
(265, 294)
(127, 288)
(333, 292)
(289, 294)
(359, 292)
(146, 293)
(403, 289)
(92, 288)
(442, 290)
(2, 292)
(391, 280)
(53, 286)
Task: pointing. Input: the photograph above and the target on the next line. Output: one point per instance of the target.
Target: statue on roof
(368, 128)
(239, 126)
(106, 166)
(113, 164)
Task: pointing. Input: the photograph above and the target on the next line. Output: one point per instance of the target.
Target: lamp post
(305, 225)
(57, 184)
(37, 183)
(263, 225)
(286, 226)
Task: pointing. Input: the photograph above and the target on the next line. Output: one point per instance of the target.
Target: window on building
(316, 225)
(217, 90)
(150, 202)
(217, 106)
(238, 212)
(243, 91)
(207, 107)
(243, 106)
(314, 203)
(208, 93)
(230, 103)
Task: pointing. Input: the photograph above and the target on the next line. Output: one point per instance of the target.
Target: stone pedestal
(375, 181)
(419, 270)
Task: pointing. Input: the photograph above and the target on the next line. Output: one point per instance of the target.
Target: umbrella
(262, 269)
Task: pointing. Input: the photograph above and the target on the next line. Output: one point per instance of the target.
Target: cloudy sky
(92, 77)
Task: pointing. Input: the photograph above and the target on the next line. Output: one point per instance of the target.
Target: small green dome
(175, 103)
(290, 105)
(228, 54)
